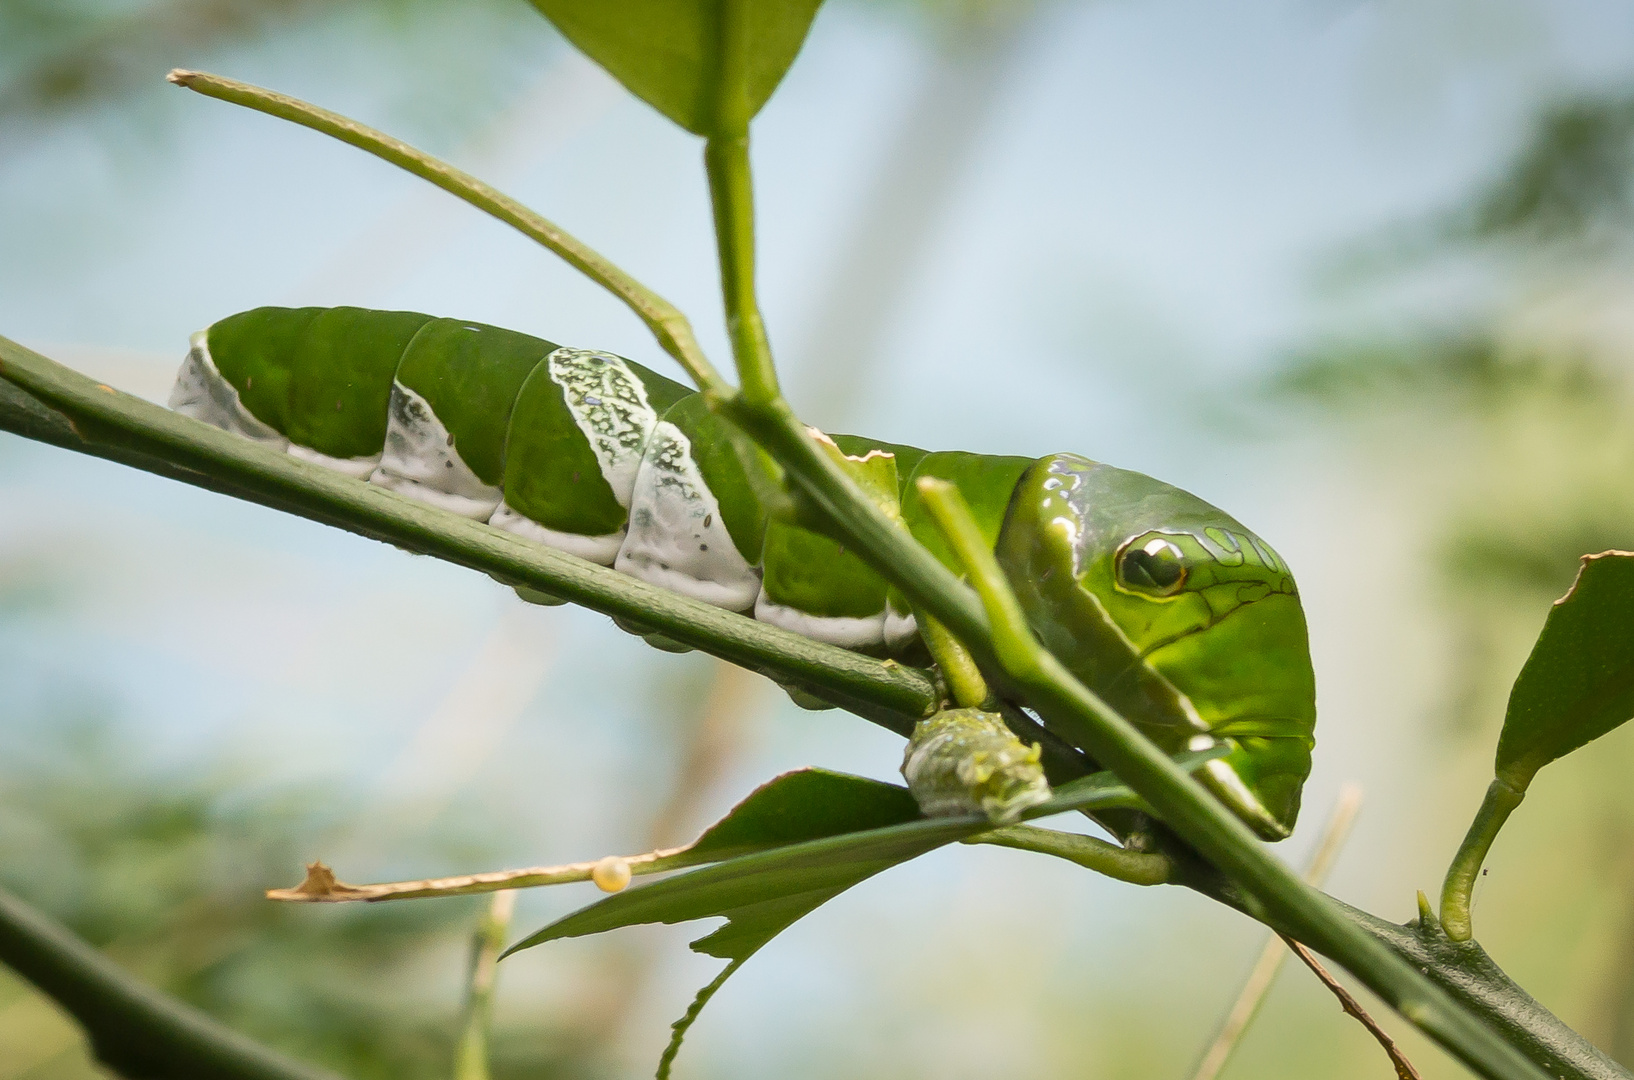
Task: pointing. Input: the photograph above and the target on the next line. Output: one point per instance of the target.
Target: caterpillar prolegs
(1172, 611)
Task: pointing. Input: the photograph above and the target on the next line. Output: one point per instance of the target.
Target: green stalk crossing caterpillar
(1171, 610)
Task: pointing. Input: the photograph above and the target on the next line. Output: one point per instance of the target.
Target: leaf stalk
(1457, 890)
(666, 322)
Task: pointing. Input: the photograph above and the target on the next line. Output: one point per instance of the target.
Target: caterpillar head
(1177, 615)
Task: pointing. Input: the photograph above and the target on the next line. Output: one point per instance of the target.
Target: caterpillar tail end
(965, 761)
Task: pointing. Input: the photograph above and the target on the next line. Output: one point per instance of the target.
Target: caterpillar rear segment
(1163, 604)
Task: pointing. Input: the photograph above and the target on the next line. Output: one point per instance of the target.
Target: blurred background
(1357, 272)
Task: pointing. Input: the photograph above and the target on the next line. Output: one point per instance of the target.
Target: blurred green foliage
(164, 867)
(1504, 421)
(1574, 175)
(1531, 356)
(62, 61)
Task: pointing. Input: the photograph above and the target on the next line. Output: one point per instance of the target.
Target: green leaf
(765, 891)
(806, 804)
(1578, 684)
(834, 830)
(677, 57)
(806, 833)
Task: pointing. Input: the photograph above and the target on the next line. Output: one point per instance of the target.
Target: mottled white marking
(677, 539)
(597, 549)
(204, 394)
(610, 406)
(900, 629)
(359, 467)
(421, 461)
(847, 633)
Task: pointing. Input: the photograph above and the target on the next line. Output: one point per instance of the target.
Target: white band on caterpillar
(677, 539)
(202, 393)
(597, 549)
(421, 461)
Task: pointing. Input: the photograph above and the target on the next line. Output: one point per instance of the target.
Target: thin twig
(663, 318)
(1264, 973)
(320, 886)
(1404, 1068)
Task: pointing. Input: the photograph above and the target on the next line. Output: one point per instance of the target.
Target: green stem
(1202, 821)
(133, 1029)
(1135, 867)
(1463, 969)
(732, 197)
(964, 679)
(664, 319)
(48, 402)
(726, 158)
(1500, 801)
(471, 1053)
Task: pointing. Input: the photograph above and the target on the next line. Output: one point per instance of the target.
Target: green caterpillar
(1183, 620)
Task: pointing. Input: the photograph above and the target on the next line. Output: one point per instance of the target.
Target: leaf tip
(1587, 561)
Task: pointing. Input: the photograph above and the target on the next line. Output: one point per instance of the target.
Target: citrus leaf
(1578, 684)
(805, 833)
(872, 826)
(668, 53)
(808, 834)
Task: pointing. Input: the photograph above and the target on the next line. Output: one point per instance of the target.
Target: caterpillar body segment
(1168, 608)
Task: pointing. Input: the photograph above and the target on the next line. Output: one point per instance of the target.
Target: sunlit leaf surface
(667, 51)
(1578, 684)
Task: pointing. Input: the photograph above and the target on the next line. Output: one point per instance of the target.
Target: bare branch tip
(319, 884)
(181, 76)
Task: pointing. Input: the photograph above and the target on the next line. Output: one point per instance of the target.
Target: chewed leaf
(679, 1029)
(668, 52)
(771, 864)
(759, 894)
(799, 840)
(1578, 684)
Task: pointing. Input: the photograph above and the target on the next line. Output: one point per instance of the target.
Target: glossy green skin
(471, 375)
(1226, 655)
(321, 376)
(1223, 655)
(815, 573)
